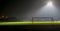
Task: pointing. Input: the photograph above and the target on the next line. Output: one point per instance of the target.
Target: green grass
(15, 23)
(30, 23)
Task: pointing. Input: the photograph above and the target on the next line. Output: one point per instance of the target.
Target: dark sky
(9, 7)
(18, 7)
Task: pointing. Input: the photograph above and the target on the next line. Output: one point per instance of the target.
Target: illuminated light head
(49, 3)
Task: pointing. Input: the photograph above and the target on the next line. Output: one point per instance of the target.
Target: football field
(31, 23)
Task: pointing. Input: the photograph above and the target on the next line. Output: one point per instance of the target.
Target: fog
(32, 8)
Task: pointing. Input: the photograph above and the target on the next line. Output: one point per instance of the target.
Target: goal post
(42, 19)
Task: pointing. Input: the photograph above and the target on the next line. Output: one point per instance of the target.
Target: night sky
(25, 8)
(17, 6)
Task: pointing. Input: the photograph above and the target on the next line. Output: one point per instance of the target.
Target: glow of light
(2, 16)
(49, 3)
(6, 17)
(48, 10)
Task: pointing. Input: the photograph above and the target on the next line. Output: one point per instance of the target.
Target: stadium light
(49, 3)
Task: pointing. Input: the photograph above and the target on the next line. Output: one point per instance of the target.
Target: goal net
(42, 18)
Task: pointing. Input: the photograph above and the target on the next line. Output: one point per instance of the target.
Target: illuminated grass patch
(15, 23)
(30, 23)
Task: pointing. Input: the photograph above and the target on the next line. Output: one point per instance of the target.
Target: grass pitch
(31, 23)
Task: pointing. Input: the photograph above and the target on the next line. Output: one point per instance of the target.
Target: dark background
(31, 28)
(28, 9)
